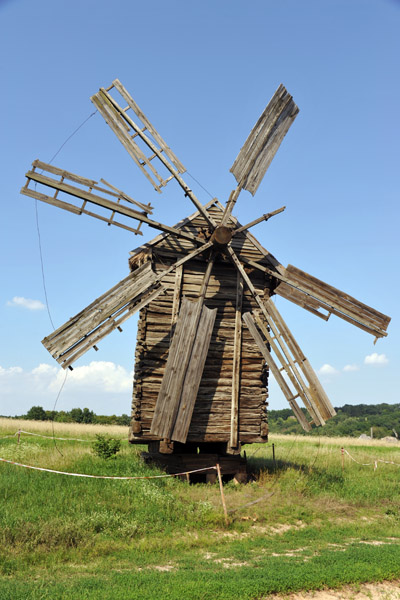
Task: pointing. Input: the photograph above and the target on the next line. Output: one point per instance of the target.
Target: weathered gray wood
(177, 294)
(103, 315)
(182, 345)
(193, 375)
(132, 104)
(264, 140)
(247, 317)
(368, 316)
(103, 202)
(114, 116)
(234, 440)
(265, 217)
(313, 294)
(147, 208)
(290, 355)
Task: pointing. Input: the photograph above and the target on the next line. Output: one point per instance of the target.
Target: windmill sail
(105, 314)
(301, 380)
(94, 195)
(264, 140)
(313, 294)
(130, 134)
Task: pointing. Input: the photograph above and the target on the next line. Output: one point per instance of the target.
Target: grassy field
(302, 523)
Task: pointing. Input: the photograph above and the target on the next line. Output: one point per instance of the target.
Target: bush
(105, 446)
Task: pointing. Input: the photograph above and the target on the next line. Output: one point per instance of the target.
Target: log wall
(211, 420)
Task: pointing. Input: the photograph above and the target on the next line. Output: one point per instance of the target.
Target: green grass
(67, 537)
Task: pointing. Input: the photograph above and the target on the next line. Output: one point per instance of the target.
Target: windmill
(209, 332)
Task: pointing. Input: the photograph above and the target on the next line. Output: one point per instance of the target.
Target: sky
(202, 72)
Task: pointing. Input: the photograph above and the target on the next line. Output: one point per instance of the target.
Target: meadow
(306, 520)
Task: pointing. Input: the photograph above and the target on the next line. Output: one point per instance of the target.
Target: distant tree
(51, 415)
(87, 416)
(63, 417)
(123, 420)
(36, 413)
(76, 415)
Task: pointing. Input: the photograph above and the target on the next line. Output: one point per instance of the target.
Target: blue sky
(202, 72)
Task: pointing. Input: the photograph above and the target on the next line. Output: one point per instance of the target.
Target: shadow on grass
(320, 476)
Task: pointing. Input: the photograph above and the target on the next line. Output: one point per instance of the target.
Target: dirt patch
(387, 590)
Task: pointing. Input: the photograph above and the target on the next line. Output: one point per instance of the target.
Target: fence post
(273, 456)
(342, 450)
(19, 435)
(221, 488)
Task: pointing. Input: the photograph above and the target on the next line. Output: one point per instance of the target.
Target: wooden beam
(99, 100)
(105, 203)
(331, 299)
(265, 217)
(290, 397)
(177, 294)
(237, 347)
(70, 341)
(290, 355)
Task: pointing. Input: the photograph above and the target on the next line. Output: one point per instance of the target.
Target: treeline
(76, 415)
(384, 419)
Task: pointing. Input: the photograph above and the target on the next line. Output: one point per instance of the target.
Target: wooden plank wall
(211, 419)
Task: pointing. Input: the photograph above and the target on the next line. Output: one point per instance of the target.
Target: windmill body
(209, 334)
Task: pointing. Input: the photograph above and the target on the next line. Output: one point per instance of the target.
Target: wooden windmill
(209, 332)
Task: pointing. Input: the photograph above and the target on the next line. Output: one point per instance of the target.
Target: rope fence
(11, 462)
(50, 437)
(369, 464)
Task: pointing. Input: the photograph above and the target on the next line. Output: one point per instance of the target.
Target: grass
(302, 523)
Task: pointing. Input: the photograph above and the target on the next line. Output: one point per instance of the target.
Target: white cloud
(376, 359)
(349, 368)
(328, 370)
(104, 387)
(102, 375)
(26, 303)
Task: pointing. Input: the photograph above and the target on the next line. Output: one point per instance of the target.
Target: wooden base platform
(232, 466)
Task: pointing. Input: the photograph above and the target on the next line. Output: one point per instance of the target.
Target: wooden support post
(177, 294)
(342, 451)
(221, 489)
(19, 436)
(236, 364)
(273, 456)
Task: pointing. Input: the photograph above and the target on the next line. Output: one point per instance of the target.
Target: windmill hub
(222, 236)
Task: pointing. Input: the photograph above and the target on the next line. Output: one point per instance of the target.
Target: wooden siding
(211, 419)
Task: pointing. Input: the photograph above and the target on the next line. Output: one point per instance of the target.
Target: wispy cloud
(349, 368)
(376, 359)
(26, 303)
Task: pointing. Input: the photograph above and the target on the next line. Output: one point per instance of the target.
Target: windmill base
(189, 457)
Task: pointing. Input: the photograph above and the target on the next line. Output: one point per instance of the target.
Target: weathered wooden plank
(264, 140)
(88, 196)
(108, 107)
(236, 363)
(287, 350)
(193, 375)
(290, 397)
(177, 293)
(102, 316)
(339, 299)
(132, 104)
(181, 346)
